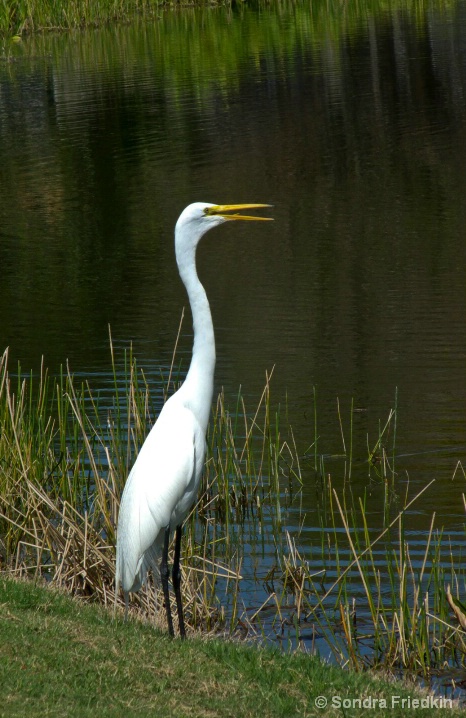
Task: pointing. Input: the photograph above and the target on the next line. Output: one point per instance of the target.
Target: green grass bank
(62, 657)
(36, 16)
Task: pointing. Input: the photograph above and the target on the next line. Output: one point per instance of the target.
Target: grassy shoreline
(359, 589)
(37, 16)
(62, 657)
(48, 15)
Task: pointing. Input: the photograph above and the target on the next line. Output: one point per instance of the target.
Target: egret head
(199, 217)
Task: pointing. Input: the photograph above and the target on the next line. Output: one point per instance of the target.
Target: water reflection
(353, 127)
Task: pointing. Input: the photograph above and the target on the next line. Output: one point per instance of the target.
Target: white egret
(163, 483)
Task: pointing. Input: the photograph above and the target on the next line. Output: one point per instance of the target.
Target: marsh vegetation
(370, 595)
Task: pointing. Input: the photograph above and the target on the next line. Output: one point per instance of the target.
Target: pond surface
(352, 126)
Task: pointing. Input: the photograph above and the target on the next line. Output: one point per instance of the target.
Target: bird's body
(164, 480)
(173, 460)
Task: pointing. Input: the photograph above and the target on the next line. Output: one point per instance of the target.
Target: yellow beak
(224, 209)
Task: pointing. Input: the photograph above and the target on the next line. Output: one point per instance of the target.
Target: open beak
(224, 211)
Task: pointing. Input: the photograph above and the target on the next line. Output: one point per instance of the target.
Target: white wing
(159, 491)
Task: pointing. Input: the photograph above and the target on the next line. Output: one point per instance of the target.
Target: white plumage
(173, 461)
(164, 480)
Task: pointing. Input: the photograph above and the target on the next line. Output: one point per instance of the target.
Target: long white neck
(198, 387)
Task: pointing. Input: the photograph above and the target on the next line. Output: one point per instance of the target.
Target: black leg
(176, 576)
(164, 574)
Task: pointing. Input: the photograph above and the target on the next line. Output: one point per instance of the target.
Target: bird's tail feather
(133, 577)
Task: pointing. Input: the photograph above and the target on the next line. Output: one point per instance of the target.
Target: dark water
(352, 126)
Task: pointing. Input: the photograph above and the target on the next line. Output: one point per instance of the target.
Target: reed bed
(37, 16)
(27, 16)
(363, 593)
